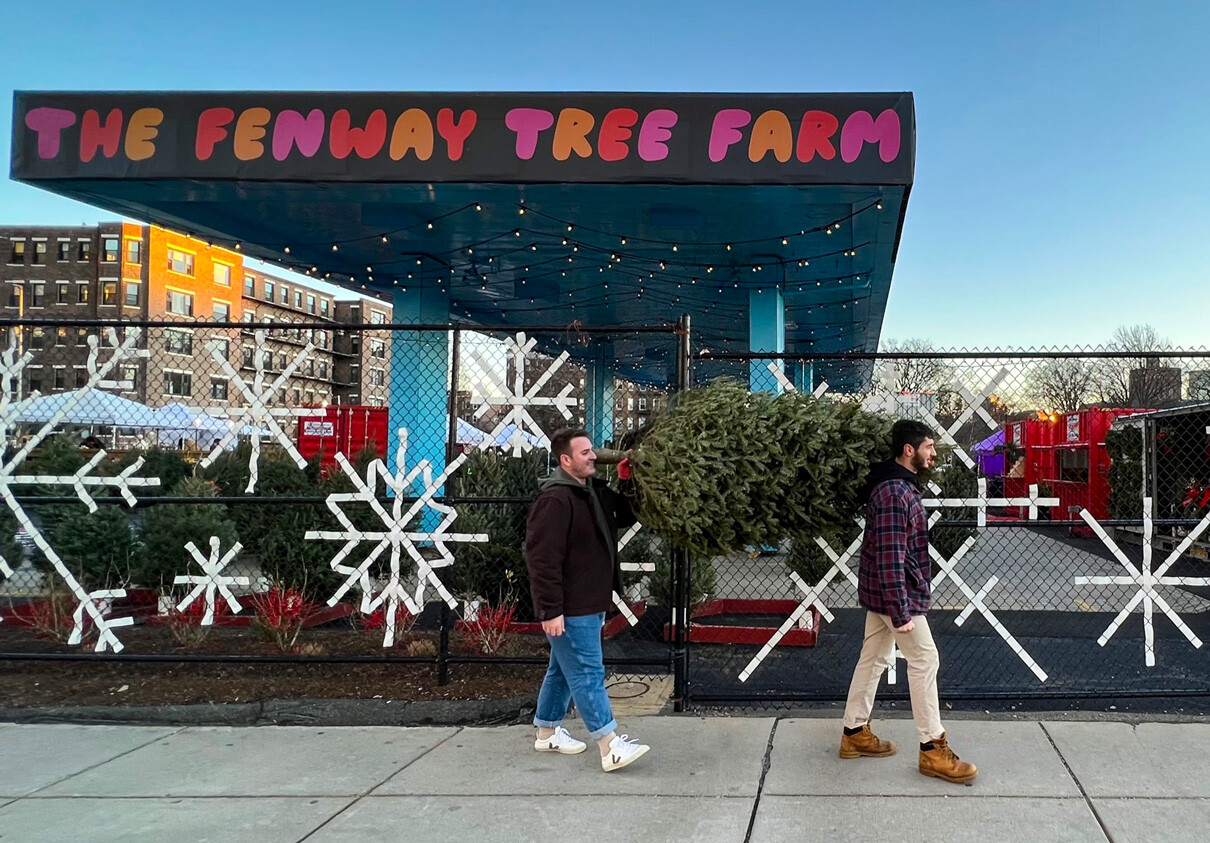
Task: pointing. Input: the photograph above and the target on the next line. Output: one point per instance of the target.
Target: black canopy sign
(466, 137)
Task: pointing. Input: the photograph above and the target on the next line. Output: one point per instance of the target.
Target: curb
(288, 713)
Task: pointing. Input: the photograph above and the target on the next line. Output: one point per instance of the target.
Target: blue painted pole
(420, 377)
(598, 401)
(766, 332)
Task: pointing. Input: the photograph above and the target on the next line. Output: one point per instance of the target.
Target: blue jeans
(576, 672)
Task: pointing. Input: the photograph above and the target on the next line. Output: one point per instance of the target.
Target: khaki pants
(876, 653)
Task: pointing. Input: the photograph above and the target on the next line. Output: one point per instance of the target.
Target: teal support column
(803, 376)
(766, 332)
(598, 401)
(420, 377)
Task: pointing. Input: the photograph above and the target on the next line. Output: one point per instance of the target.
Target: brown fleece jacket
(571, 546)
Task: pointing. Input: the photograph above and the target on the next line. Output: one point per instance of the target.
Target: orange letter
(141, 132)
(570, 134)
(249, 129)
(413, 130)
(94, 134)
(771, 133)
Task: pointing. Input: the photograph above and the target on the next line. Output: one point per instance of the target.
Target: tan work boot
(865, 743)
(940, 762)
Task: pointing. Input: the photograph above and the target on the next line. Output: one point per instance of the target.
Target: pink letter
(654, 134)
(528, 123)
(860, 128)
(726, 131)
(48, 123)
(292, 128)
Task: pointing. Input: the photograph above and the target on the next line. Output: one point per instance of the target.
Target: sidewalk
(706, 778)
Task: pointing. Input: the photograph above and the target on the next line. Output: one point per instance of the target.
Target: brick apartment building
(121, 271)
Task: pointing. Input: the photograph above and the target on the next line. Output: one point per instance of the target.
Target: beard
(919, 462)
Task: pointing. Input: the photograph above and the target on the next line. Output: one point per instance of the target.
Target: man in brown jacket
(571, 549)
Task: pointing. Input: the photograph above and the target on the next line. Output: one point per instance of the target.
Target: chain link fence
(320, 492)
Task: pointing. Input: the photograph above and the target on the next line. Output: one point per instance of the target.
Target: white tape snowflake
(94, 606)
(260, 414)
(840, 566)
(212, 581)
(518, 398)
(788, 386)
(395, 534)
(1146, 581)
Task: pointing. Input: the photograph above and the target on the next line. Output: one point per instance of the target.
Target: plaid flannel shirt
(895, 578)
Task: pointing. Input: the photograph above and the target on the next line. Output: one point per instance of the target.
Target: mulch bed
(43, 683)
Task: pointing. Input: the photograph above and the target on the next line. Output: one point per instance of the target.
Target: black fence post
(681, 591)
(451, 453)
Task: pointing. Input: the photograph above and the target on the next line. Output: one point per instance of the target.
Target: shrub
(168, 528)
(702, 585)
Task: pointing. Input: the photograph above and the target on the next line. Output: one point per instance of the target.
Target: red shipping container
(342, 428)
(1034, 437)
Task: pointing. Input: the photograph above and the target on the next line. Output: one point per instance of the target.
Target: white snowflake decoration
(394, 535)
(788, 386)
(518, 399)
(212, 581)
(1146, 581)
(260, 414)
(94, 606)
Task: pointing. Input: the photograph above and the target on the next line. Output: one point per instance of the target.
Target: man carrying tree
(571, 549)
(895, 586)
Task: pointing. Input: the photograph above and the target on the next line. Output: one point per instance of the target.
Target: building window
(180, 303)
(109, 292)
(249, 357)
(310, 303)
(218, 388)
(134, 251)
(60, 377)
(249, 285)
(630, 403)
(630, 424)
(82, 293)
(267, 360)
(61, 337)
(63, 293)
(37, 337)
(81, 336)
(222, 275)
(109, 249)
(311, 368)
(282, 362)
(323, 307)
(178, 383)
(40, 252)
(249, 317)
(180, 262)
(64, 250)
(81, 377)
(378, 349)
(37, 295)
(132, 294)
(323, 370)
(17, 255)
(223, 347)
(222, 311)
(642, 402)
(377, 377)
(297, 397)
(84, 250)
(323, 339)
(269, 291)
(285, 294)
(14, 295)
(178, 342)
(377, 317)
(298, 299)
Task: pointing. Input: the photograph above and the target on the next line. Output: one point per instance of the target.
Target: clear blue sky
(1061, 174)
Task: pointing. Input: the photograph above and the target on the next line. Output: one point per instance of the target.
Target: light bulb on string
(335, 248)
(478, 207)
(385, 239)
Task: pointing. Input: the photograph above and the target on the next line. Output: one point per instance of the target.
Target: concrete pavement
(707, 778)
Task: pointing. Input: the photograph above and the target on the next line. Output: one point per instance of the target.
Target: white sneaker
(560, 742)
(622, 752)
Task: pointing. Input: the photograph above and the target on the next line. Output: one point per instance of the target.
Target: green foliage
(729, 469)
(1125, 448)
(99, 548)
(275, 532)
(956, 481)
(169, 466)
(495, 570)
(702, 586)
(807, 559)
(167, 529)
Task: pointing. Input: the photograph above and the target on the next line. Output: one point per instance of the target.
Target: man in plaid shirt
(895, 586)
